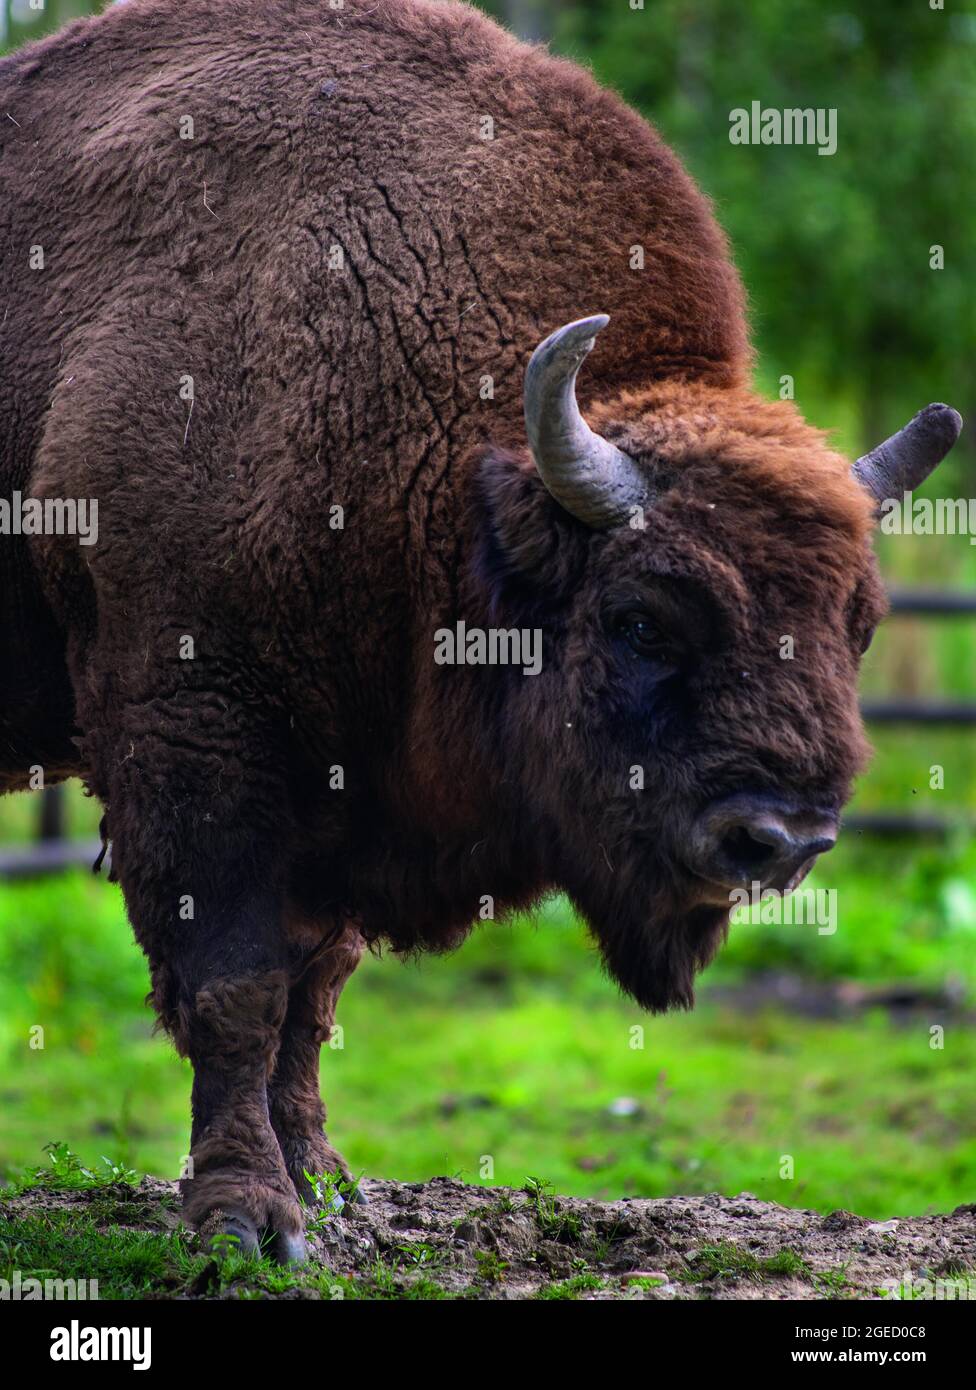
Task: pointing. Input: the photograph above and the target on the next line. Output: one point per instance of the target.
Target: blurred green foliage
(834, 250)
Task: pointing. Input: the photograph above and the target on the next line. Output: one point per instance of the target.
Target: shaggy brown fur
(338, 259)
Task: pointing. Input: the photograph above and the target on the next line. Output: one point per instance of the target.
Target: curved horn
(903, 462)
(595, 481)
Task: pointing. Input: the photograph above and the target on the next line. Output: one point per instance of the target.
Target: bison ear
(522, 539)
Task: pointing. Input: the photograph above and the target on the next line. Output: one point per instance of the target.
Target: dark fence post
(51, 823)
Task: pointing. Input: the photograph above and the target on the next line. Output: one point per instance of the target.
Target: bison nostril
(769, 853)
(745, 839)
(745, 851)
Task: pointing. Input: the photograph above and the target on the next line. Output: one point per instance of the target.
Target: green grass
(727, 1260)
(572, 1288)
(128, 1264)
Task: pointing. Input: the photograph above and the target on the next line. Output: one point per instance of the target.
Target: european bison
(272, 272)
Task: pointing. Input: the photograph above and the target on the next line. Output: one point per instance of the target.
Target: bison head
(700, 566)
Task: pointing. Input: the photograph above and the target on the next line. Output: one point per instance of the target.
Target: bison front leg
(195, 833)
(297, 1111)
(238, 1184)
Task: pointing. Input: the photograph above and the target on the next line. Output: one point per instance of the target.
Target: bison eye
(644, 637)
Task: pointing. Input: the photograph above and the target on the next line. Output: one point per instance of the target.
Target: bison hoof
(235, 1234)
(288, 1248)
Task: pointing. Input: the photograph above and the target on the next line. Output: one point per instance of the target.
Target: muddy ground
(447, 1239)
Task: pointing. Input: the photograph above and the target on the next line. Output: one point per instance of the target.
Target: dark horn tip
(944, 422)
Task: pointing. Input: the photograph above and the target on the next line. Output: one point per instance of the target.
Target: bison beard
(655, 951)
(263, 350)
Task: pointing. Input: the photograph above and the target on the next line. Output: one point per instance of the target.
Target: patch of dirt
(152, 1205)
(445, 1238)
